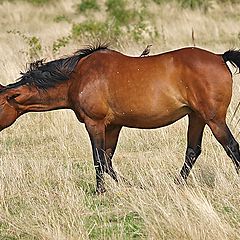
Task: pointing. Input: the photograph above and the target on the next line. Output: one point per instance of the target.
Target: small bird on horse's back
(146, 51)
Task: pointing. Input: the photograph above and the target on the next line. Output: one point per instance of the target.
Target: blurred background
(54, 27)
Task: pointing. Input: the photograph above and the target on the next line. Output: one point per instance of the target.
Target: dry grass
(47, 179)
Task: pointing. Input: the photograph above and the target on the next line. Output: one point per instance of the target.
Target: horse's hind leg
(226, 139)
(194, 141)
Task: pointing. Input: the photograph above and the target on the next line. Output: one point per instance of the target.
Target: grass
(47, 178)
(87, 5)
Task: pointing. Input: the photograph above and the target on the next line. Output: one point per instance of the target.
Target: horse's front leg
(112, 134)
(96, 131)
(111, 139)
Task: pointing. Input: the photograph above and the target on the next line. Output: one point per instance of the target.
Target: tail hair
(232, 56)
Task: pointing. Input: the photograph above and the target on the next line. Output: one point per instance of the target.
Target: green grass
(128, 226)
(87, 5)
(89, 28)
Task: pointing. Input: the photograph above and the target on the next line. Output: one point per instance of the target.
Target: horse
(108, 90)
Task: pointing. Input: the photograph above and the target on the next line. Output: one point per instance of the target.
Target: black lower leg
(109, 168)
(99, 164)
(112, 134)
(96, 131)
(191, 157)
(194, 141)
(225, 137)
(232, 150)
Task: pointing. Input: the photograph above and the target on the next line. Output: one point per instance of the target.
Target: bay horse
(108, 90)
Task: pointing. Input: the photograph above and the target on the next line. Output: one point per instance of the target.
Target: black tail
(233, 56)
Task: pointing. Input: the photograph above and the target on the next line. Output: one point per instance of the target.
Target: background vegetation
(47, 178)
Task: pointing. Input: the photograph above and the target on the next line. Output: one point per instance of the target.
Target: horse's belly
(154, 120)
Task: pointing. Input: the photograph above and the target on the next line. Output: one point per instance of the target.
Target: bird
(146, 51)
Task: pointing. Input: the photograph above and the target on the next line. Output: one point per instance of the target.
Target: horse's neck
(31, 99)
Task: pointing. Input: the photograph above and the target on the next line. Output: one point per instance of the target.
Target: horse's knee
(109, 153)
(191, 157)
(193, 153)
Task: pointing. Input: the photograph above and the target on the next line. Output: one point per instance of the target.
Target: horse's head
(8, 109)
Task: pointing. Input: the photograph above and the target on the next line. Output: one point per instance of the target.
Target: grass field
(47, 179)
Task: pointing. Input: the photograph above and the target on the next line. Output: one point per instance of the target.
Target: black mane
(45, 75)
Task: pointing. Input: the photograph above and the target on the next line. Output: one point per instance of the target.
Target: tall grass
(47, 179)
